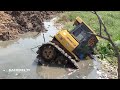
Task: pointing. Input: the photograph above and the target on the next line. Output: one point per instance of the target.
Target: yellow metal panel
(65, 38)
(79, 19)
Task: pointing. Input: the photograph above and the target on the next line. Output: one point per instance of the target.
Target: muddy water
(17, 59)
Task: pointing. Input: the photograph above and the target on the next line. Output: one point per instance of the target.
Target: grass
(110, 18)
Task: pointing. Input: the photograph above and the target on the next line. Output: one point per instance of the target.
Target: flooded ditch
(17, 59)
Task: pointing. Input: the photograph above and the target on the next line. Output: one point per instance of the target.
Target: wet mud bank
(13, 23)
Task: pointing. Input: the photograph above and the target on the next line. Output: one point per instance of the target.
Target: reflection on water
(50, 72)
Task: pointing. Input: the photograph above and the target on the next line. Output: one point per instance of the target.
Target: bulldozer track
(64, 54)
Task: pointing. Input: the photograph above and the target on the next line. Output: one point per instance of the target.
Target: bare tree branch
(99, 18)
(108, 38)
(101, 23)
(99, 36)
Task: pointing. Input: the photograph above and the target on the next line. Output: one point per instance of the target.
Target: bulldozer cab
(83, 33)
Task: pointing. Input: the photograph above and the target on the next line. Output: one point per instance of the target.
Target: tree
(108, 38)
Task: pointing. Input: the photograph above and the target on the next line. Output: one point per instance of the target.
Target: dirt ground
(13, 23)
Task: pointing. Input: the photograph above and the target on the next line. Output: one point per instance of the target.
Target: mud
(13, 23)
(8, 28)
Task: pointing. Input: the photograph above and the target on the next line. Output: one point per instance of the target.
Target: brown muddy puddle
(17, 60)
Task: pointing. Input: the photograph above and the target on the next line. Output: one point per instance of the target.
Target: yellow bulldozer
(69, 46)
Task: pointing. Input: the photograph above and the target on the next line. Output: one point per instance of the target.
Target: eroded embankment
(13, 23)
